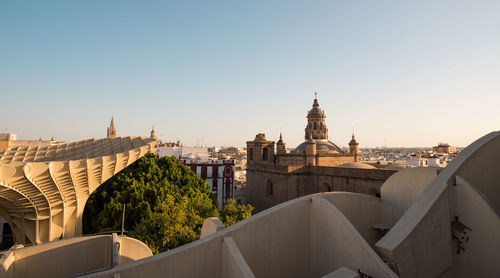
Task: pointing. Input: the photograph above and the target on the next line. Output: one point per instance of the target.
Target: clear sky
(400, 73)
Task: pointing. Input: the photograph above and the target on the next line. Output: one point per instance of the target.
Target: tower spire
(153, 132)
(111, 129)
(316, 125)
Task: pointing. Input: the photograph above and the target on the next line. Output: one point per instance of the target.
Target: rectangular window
(203, 172)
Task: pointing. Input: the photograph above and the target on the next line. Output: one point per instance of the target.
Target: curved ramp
(435, 235)
(305, 237)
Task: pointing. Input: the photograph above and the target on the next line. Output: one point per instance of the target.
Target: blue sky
(398, 73)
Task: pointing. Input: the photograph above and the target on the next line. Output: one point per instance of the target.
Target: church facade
(275, 175)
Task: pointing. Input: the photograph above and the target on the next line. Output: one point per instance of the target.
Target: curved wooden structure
(43, 189)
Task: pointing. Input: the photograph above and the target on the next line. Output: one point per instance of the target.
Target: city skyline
(403, 74)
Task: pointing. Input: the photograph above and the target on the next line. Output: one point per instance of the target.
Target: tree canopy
(166, 204)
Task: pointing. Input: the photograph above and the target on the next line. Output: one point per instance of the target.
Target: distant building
(111, 129)
(199, 154)
(444, 148)
(9, 140)
(316, 165)
(153, 133)
(219, 175)
(433, 162)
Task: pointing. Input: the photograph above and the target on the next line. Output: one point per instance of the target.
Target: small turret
(310, 151)
(153, 132)
(354, 148)
(280, 146)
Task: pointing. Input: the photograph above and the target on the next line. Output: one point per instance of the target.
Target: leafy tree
(232, 213)
(166, 204)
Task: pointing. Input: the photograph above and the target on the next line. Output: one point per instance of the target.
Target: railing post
(116, 249)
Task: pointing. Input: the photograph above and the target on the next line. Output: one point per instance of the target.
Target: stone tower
(260, 150)
(354, 148)
(280, 146)
(310, 151)
(111, 129)
(316, 126)
(153, 132)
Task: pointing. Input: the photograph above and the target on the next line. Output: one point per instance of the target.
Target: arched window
(315, 127)
(250, 154)
(265, 154)
(269, 188)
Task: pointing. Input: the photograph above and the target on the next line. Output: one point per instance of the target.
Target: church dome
(358, 165)
(316, 110)
(321, 146)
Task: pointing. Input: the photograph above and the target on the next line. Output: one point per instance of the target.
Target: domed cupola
(316, 126)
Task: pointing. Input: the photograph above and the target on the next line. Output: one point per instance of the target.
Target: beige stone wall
(334, 160)
(290, 183)
(321, 160)
(291, 159)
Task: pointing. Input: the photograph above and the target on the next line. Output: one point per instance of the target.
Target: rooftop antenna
(315, 95)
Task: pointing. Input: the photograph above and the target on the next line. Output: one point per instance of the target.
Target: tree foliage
(166, 204)
(232, 213)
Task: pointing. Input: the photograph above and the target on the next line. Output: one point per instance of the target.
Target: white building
(219, 175)
(192, 153)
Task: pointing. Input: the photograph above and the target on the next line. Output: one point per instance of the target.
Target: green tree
(232, 213)
(166, 204)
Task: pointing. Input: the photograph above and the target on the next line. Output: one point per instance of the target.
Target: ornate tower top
(316, 126)
(281, 139)
(111, 129)
(153, 132)
(354, 148)
(353, 141)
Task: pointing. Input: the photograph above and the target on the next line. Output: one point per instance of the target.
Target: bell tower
(111, 129)
(316, 126)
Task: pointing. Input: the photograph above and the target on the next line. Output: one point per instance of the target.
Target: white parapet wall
(298, 238)
(70, 256)
(422, 242)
